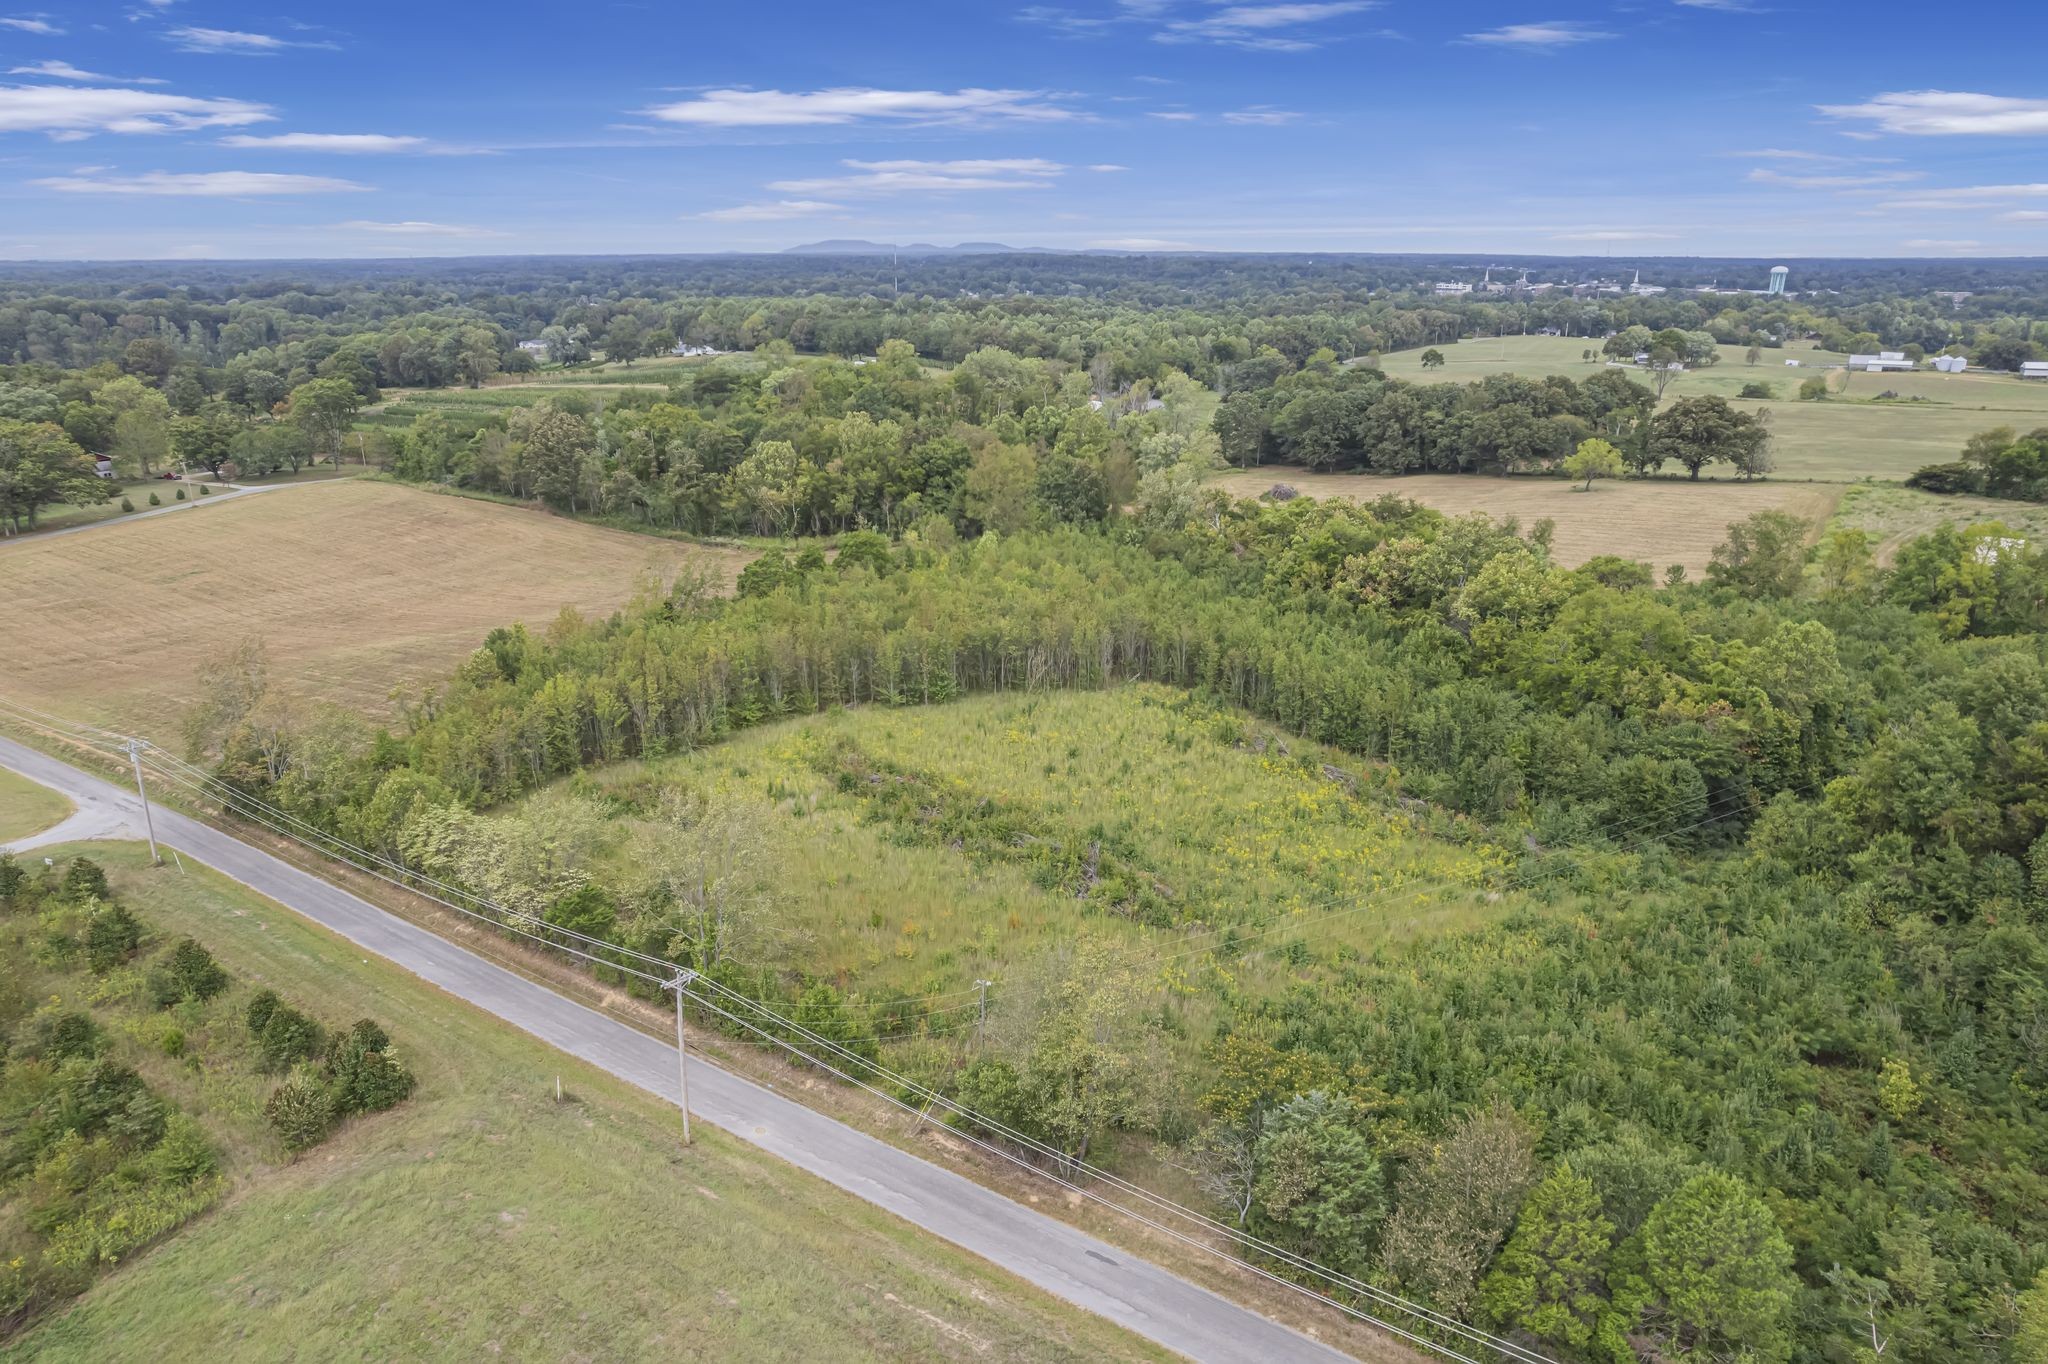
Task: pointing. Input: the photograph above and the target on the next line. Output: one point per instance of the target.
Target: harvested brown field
(1660, 522)
(356, 588)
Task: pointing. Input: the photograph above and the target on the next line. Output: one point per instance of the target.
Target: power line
(210, 787)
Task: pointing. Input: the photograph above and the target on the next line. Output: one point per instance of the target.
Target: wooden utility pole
(679, 985)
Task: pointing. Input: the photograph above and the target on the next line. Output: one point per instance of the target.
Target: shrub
(288, 1038)
(1813, 390)
(128, 506)
(178, 494)
(13, 880)
(59, 1035)
(259, 1011)
(367, 1078)
(1957, 477)
(205, 491)
(155, 501)
(1757, 389)
(300, 1111)
(110, 937)
(188, 971)
(85, 880)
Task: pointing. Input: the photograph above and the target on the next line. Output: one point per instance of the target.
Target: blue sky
(198, 128)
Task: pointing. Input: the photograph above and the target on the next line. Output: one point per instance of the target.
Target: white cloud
(1142, 244)
(326, 142)
(1811, 158)
(1261, 116)
(1172, 115)
(1543, 37)
(65, 71)
(1107, 167)
(897, 177)
(1965, 195)
(76, 111)
(1948, 113)
(1258, 26)
(1770, 177)
(1940, 244)
(204, 185)
(1725, 6)
(2025, 215)
(31, 24)
(781, 210)
(230, 41)
(417, 229)
(1614, 234)
(856, 104)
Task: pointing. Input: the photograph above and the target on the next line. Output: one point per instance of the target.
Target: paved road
(234, 491)
(1085, 1271)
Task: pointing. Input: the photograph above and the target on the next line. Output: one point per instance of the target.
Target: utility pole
(981, 996)
(148, 824)
(679, 985)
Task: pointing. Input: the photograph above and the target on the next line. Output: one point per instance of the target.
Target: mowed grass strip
(481, 1219)
(1658, 521)
(1853, 434)
(26, 807)
(356, 588)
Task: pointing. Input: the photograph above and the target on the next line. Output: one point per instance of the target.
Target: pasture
(1658, 521)
(1851, 435)
(356, 588)
(482, 1218)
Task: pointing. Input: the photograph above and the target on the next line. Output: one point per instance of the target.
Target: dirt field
(355, 588)
(1661, 522)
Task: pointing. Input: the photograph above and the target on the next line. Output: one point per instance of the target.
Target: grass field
(1241, 828)
(26, 808)
(1850, 436)
(1892, 516)
(482, 1219)
(1661, 521)
(355, 587)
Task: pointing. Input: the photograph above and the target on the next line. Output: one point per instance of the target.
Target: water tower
(1779, 274)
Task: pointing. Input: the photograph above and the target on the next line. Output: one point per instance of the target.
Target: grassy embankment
(26, 808)
(483, 1218)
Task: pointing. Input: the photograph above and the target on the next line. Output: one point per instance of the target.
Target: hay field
(1849, 436)
(1661, 521)
(355, 587)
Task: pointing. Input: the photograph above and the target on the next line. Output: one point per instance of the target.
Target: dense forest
(1767, 1082)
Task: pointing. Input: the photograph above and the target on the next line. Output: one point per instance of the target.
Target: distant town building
(1779, 274)
(1638, 287)
(1884, 362)
(1453, 286)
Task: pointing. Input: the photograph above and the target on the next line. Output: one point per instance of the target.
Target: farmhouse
(2034, 369)
(534, 347)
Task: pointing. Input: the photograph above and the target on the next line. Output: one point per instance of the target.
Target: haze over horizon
(189, 129)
